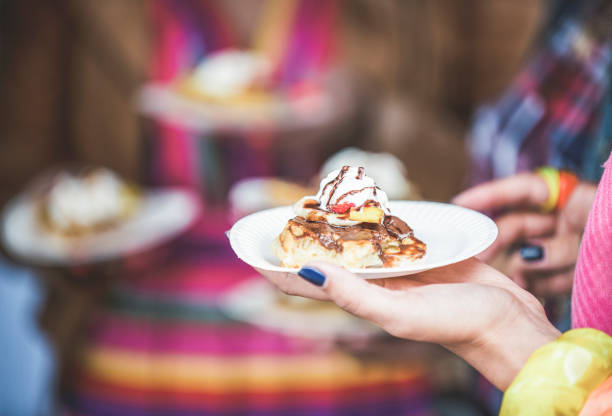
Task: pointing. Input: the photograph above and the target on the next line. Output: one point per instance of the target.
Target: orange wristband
(567, 184)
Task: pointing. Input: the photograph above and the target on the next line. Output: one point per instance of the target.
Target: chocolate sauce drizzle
(311, 204)
(369, 202)
(335, 183)
(331, 237)
(338, 179)
(359, 173)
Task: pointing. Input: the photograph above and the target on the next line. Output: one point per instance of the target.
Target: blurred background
(220, 108)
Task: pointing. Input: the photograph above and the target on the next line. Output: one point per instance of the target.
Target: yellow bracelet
(558, 377)
(551, 177)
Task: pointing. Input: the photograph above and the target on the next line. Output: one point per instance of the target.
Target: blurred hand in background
(539, 250)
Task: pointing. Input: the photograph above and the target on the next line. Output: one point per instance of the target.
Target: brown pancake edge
(394, 238)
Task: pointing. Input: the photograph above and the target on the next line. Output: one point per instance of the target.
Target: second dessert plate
(161, 215)
(258, 302)
(452, 234)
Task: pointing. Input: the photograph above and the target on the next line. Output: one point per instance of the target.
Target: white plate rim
(165, 102)
(373, 273)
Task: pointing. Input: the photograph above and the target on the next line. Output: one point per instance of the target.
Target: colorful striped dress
(161, 344)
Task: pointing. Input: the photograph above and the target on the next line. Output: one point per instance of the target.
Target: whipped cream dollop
(85, 201)
(339, 190)
(350, 185)
(387, 170)
(229, 72)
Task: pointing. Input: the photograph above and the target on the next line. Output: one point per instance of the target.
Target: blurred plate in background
(161, 215)
(259, 303)
(165, 102)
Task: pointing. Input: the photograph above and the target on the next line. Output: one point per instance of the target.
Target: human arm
(483, 317)
(469, 308)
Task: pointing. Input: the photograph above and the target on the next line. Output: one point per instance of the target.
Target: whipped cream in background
(350, 185)
(85, 201)
(229, 72)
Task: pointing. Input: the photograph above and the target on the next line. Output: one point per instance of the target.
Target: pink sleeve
(592, 293)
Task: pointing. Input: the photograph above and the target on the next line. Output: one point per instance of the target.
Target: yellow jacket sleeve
(558, 377)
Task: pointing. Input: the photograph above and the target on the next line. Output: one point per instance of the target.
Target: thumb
(351, 293)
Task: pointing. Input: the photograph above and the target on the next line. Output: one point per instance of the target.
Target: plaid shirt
(556, 112)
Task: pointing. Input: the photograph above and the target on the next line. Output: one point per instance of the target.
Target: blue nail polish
(313, 275)
(532, 252)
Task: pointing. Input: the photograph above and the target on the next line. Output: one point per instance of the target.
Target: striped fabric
(300, 40)
(161, 345)
(552, 112)
(592, 294)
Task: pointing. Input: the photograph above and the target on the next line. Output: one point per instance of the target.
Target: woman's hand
(470, 308)
(546, 266)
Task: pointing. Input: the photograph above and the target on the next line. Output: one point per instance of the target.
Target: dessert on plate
(229, 77)
(85, 203)
(348, 222)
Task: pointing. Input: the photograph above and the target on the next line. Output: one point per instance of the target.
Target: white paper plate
(257, 302)
(452, 234)
(165, 103)
(160, 216)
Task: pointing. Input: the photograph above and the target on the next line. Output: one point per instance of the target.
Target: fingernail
(532, 252)
(313, 275)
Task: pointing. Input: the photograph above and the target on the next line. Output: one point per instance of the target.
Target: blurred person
(557, 112)
(300, 54)
(553, 112)
(26, 358)
(68, 96)
(161, 341)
